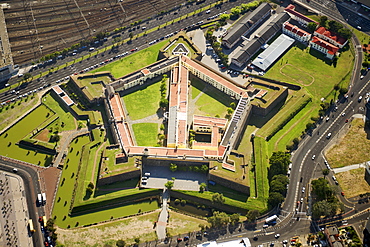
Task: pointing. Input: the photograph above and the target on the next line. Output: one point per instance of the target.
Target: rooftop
(291, 9)
(332, 49)
(273, 52)
(331, 35)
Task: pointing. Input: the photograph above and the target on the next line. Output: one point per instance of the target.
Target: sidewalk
(163, 216)
(351, 167)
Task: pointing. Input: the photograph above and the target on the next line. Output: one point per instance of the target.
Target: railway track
(62, 23)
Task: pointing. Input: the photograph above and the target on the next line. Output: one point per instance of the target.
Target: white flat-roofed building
(273, 52)
(244, 242)
(295, 32)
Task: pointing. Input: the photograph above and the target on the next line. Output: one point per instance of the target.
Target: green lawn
(184, 42)
(261, 161)
(306, 67)
(212, 102)
(143, 102)
(196, 87)
(22, 128)
(65, 116)
(133, 62)
(14, 110)
(146, 134)
(64, 195)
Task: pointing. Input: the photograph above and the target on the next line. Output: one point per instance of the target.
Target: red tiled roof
(332, 49)
(145, 72)
(209, 121)
(291, 9)
(117, 108)
(295, 29)
(331, 35)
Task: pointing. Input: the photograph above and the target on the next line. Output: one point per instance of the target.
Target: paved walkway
(347, 168)
(67, 137)
(163, 216)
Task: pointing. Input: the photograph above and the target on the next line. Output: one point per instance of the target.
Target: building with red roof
(296, 32)
(324, 47)
(302, 19)
(331, 37)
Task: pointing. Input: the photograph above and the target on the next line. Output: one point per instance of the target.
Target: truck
(30, 225)
(44, 198)
(271, 219)
(39, 199)
(44, 220)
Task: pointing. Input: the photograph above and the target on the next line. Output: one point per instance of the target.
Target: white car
(303, 189)
(277, 235)
(313, 157)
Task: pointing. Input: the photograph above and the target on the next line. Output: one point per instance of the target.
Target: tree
(224, 17)
(218, 198)
(202, 187)
(323, 21)
(235, 11)
(169, 184)
(27, 76)
(321, 188)
(279, 163)
(218, 219)
(173, 167)
(163, 103)
(312, 26)
(325, 172)
(334, 26)
(252, 215)
(137, 240)
(345, 33)
(321, 208)
(275, 198)
(120, 243)
(230, 110)
(277, 186)
(234, 218)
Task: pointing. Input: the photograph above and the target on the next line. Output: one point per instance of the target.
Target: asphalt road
(32, 188)
(140, 43)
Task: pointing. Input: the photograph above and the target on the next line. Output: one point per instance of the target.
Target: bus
(44, 220)
(271, 219)
(30, 225)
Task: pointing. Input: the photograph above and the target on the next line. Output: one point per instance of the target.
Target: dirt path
(300, 82)
(96, 156)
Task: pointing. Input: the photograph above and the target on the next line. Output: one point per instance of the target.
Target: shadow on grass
(110, 188)
(259, 121)
(321, 56)
(230, 193)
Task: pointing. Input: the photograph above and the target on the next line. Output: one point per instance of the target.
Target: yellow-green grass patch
(352, 148)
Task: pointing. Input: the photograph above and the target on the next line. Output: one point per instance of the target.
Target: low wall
(230, 184)
(119, 177)
(167, 162)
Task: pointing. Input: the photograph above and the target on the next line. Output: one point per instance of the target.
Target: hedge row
(287, 119)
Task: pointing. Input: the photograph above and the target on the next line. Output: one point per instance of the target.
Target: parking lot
(184, 180)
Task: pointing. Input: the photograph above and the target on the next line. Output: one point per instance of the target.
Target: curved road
(32, 188)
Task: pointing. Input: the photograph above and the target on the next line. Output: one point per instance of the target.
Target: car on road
(343, 114)
(360, 98)
(255, 238)
(346, 121)
(147, 174)
(15, 170)
(328, 136)
(313, 157)
(277, 235)
(303, 189)
(285, 241)
(327, 119)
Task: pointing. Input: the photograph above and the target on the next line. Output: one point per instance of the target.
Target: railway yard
(38, 28)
